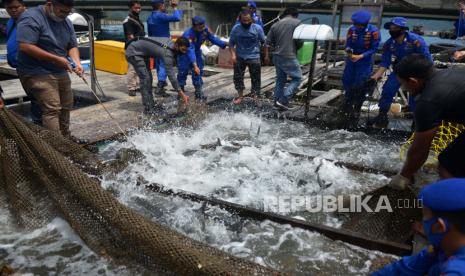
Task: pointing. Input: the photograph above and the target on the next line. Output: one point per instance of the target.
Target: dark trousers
(142, 67)
(254, 71)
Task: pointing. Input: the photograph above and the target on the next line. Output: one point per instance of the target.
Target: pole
(330, 43)
(92, 52)
(310, 78)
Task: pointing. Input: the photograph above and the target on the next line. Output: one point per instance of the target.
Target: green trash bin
(304, 54)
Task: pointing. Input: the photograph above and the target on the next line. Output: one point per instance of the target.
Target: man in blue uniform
(402, 43)
(362, 42)
(197, 35)
(459, 24)
(158, 25)
(444, 226)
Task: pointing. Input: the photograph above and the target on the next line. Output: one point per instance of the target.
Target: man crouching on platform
(138, 53)
(440, 96)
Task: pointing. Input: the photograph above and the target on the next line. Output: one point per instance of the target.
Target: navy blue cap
(252, 4)
(398, 21)
(198, 20)
(444, 195)
(158, 1)
(361, 17)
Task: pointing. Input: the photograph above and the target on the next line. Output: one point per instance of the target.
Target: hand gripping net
(446, 133)
(43, 175)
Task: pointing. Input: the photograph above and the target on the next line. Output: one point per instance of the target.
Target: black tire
(439, 47)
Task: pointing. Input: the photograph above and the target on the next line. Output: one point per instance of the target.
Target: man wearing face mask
(402, 43)
(252, 7)
(245, 42)
(197, 35)
(46, 44)
(133, 28)
(444, 225)
(439, 97)
(158, 25)
(362, 42)
(138, 53)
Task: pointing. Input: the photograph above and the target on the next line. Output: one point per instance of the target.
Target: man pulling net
(440, 95)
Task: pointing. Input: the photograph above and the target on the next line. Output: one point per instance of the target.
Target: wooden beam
(351, 237)
(326, 97)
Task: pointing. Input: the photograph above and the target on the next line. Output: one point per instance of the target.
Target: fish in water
(212, 146)
(323, 184)
(122, 159)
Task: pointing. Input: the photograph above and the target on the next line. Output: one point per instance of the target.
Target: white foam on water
(52, 249)
(262, 167)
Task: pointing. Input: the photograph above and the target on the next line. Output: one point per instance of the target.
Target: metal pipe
(330, 42)
(310, 79)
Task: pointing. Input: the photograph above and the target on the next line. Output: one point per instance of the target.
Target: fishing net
(446, 133)
(389, 225)
(44, 175)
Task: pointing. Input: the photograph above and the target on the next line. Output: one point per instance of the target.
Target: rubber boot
(343, 116)
(161, 92)
(380, 121)
(199, 93)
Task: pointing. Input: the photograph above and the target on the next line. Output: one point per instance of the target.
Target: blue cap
(398, 21)
(158, 2)
(198, 20)
(361, 17)
(444, 195)
(252, 4)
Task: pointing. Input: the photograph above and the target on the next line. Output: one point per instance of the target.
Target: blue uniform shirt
(426, 263)
(158, 23)
(35, 27)
(197, 39)
(363, 41)
(247, 41)
(11, 45)
(460, 26)
(412, 43)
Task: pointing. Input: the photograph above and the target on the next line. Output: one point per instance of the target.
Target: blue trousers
(184, 66)
(355, 74)
(390, 88)
(286, 67)
(161, 71)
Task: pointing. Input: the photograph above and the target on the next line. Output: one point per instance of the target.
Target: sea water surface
(177, 158)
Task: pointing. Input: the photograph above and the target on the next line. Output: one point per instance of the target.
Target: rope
(107, 111)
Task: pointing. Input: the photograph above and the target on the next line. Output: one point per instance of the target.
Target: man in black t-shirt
(440, 96)
(133, 28)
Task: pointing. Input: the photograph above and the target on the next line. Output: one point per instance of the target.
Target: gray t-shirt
(280, 37)
(35, 27)
(146, 49)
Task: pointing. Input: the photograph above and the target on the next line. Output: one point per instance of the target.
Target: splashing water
(261, 166)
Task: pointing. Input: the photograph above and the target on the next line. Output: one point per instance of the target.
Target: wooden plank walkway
(92, 122)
